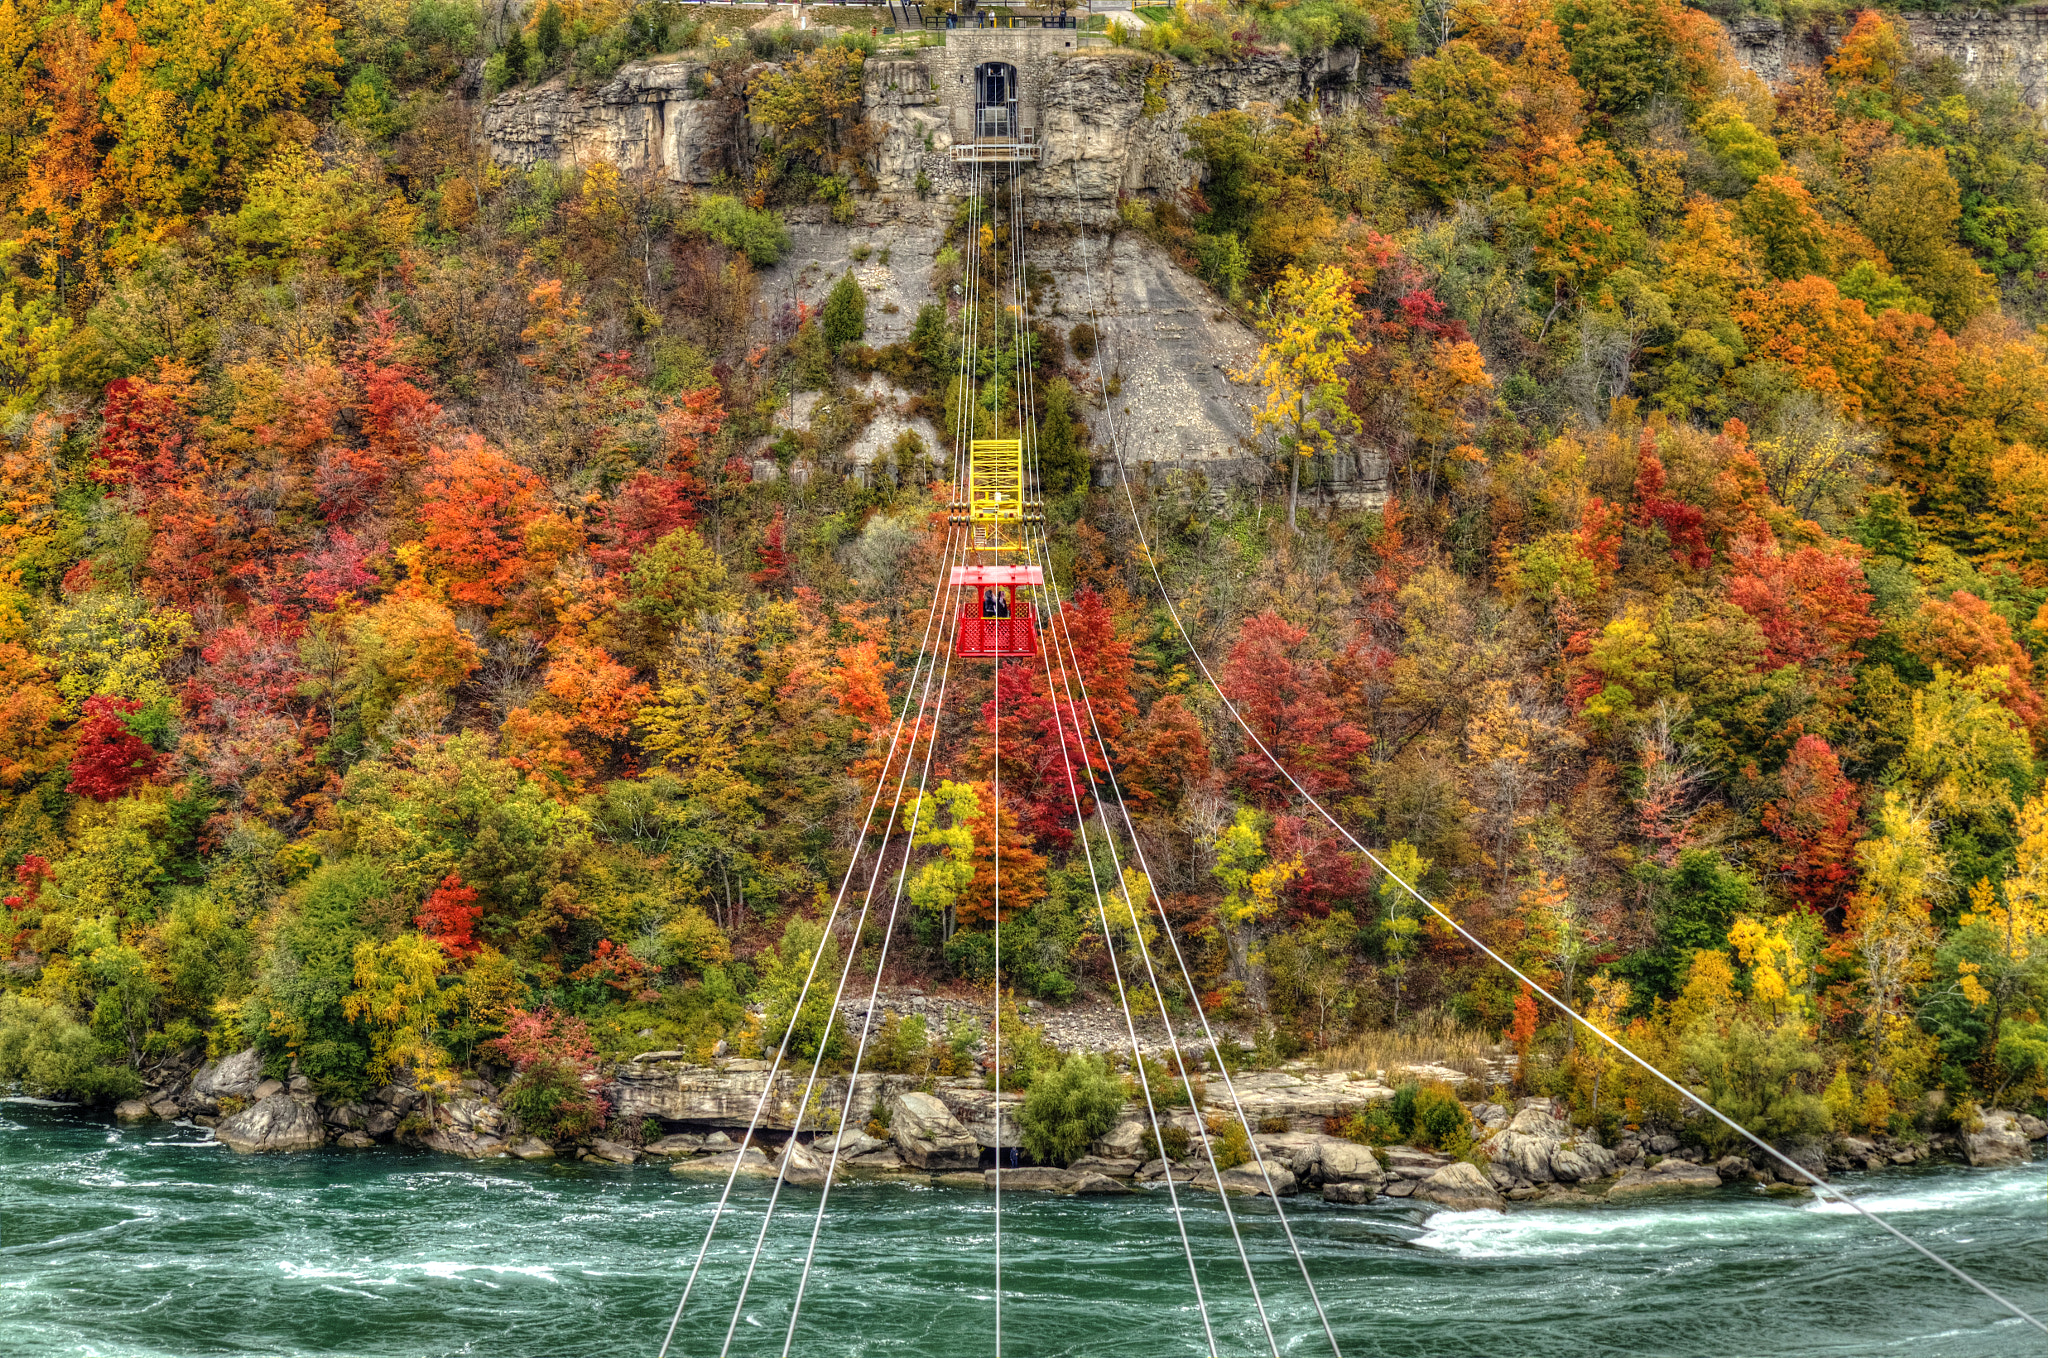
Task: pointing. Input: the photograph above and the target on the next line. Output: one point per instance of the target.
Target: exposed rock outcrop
(1668, 1176)
(1327, 1161)
(1246, 1181)
(928, 1136)
(1538, 1147)
(278, 1123)
(1998, 1139)
(1988, 47)
(1458, 1187)
(231, 1077)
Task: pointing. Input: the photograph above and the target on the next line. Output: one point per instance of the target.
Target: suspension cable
(1229, 1084)
(1056, 623)
(1028, 428)
(868, 898)
(839, 991)
(933, 617)
(1819, 1184)
(782, 1049)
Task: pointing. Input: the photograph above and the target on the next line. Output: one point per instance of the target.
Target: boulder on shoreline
(1089, 1184)
(231, 1077)
(1245, 1181)
(1327, 1160)
(1031, 1179)
(752, 1164)
(1667, 1176)
(278, 1123)
(1459, 1187)
(928, 1136)
(1998, 1140)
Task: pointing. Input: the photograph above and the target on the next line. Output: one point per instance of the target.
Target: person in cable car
(995, 602)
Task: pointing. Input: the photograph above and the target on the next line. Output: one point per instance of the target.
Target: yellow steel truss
(995, 492)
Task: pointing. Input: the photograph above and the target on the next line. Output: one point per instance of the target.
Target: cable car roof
(998, 575)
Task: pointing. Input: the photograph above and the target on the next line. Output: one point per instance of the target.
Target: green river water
(137, 1242)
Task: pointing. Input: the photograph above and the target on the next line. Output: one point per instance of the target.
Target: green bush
(761, 236)
(1373, 1125)
(1438, 1120)
(1228, 1143)
(900, 1046)
(1176, 1139)
(845, 314)
(1068, 1108)
(45, 1047)
(550, 1102)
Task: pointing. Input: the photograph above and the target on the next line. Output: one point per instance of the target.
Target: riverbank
(688, 1117)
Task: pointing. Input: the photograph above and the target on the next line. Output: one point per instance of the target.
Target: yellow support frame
(995, 491)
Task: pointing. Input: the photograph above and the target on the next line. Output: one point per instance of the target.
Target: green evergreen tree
(1062, 460)
(813, 356)
(516, 55)
(846, 313)
(548, 32)
(928, 336)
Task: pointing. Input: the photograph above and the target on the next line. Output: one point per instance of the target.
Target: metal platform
(997, 150)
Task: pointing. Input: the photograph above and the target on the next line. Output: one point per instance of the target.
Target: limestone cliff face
(669, 116)
(1989, 49)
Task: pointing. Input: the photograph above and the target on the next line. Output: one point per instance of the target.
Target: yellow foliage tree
(1308, 320)
(1777, 973)
(398, 994)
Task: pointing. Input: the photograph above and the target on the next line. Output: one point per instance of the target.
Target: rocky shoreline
(946, 1130)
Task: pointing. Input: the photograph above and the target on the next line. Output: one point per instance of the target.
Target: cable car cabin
(994, 622)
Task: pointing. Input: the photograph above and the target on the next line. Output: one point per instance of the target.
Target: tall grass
(1436, 1040)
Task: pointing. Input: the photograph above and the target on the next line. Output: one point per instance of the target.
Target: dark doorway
(995, 101)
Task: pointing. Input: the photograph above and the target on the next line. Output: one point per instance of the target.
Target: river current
(147, 1242)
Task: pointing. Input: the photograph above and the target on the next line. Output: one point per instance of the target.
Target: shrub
(550, 1102)
(1081, 339)
(900, 1046)
(1228, 1142)
(1403, 1107)
(1068, 1108)
(759, 235)
(1175, 1137)
(1275, 1125)
(1373, 1125)
(845, 314)
(54, 1055)
(1438, 1119)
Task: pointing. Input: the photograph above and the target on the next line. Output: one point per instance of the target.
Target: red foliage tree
(1331, 876)
(617, 968)
(394, 414)
(1963, 633)
(774, 560)
(145, 426)
(200, 551)
(646, 509)
(1814, 823)
(339, 567)
(1102, 658)
(30, 873)
(449, 916)
(110, 759)
(1684, 525)
(1811, 605)
(543, 1035)
(1284, 697)
(1043, 764)
(479, 506)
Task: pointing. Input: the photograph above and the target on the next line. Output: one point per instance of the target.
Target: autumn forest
(428, 643)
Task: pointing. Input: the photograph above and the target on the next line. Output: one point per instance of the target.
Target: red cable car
(994, 622)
